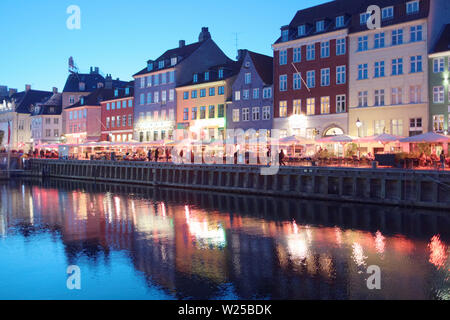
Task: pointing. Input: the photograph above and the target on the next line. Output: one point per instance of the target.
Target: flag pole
(303, 80)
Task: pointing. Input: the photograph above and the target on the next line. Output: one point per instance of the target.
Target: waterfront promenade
(415, 188)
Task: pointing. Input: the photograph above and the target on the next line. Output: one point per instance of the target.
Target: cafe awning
(429, 137)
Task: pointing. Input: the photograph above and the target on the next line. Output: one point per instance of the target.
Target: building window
(363, 43)
(221, 90)
(267, 93)
(379, 127)
(206, 76)
(195, 79)
(397, 127)
(156, 97)
(256, 93)
(297, 55)
(235, 115)
(379, 69)
(341, 104)
(310, 52)
(171, 95)
(387, 13)
(362, 99)
(248, 78)
(266, 113)
(341, 75)
(311, 79)
(220, 73)
(438, 123)
(237, 95)
(203, 112)
(325, 105)
(245, 114)
(283, 109)
(397, 66)
(379, 40)
(415, 124)
(310, 106)
(212, 92)
(246, 94)
(363, 73)
(416, 64)
(320, 26)
(397, 37)
(416, 33)
(379, 97)
(284, 35)
(156, 79)
(438, 65)
(297, 81)
(412, 7)
(194, 94)
(149, 98)
(339, 21)
(325, 49)
(438, 94)
(255, 114)
(161, 64)
(340, 46)
(142, 83)
(415, 94)
(297, 104)
(301, 30)
(186, 95)
(325, 77)
(212, 112)
(283, 57)
(108, 122)
(283, 82)
(164, 78)
(397, 96)
(221, 111)
(130, 120)
(363, 17)
(186, 114)
(194, 113)
(202, 93)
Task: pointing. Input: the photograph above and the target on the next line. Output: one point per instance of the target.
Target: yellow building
(201, 103)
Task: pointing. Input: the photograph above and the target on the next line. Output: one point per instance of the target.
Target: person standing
(156, 155)
(149, 155)
(442, 159)
(281, 158)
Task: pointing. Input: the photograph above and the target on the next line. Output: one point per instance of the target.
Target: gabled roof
(263, 65)
(91, 81)
(181, 53)
(230, 69)
(54, 102)
(95, 98)
(443, 44)
(23, 100)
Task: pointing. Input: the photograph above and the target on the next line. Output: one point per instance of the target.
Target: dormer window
(387, 13)
(161, 64)
(82, 86)
(150, 66)
(99, 85)
(340, 22)
(412, 7)
(285, 35)
(320, 26)
(82, 101)
(52, 110)
(173, 61)
(195, 78)
(302, 30)
(206, 76)
(127, 91)
(363, 18)
(220, 73)
(116, 93)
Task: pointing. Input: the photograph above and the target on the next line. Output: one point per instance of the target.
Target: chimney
(27, 87)
(108, 82)
(55, 90)
(96, 70)
(182, 43)
(12, 92)
(92, 70)
(240, 55)
(204, 35)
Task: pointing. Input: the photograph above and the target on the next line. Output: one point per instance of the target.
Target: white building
(46, 121)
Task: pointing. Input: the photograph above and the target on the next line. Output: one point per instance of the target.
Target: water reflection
(159, 243)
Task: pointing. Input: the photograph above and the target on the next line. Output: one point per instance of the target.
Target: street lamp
(358, 125)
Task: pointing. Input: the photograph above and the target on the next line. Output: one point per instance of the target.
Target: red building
(311, 73)
(117, 116)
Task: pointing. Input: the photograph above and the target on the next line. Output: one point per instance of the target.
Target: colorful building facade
(388, 68)
(439, 89)
(117, 116)
(202, 103)
(311, 72)
(155, 86)
(46, 121)
(252, 94)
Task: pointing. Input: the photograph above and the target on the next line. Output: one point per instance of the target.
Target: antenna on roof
(72, 66)
(236, 39)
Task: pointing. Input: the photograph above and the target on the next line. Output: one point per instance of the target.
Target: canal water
(146, 243)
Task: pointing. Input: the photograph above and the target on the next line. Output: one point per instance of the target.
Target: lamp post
(359, 125)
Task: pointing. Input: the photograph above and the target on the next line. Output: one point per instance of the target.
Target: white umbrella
(382, 138)
(337, 139)
(294, 140)
(429, 137)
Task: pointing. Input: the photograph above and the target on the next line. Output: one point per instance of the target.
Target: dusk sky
(120, 36)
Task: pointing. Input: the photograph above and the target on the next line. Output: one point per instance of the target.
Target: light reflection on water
(144, 243)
